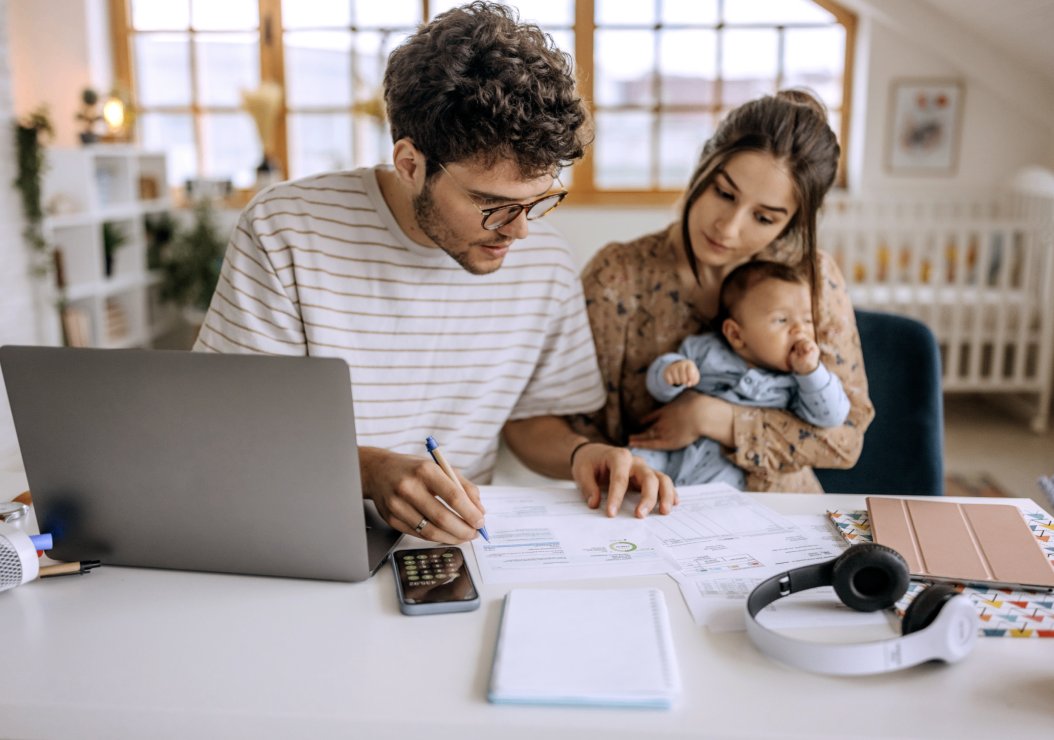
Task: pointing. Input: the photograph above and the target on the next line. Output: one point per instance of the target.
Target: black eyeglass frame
(513, 210)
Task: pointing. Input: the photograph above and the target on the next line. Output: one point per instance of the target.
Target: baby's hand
(682, 372)
(804, 356)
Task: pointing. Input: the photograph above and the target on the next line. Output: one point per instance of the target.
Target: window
(659, 74)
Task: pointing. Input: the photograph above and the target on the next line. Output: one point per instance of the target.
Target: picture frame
(924, 126)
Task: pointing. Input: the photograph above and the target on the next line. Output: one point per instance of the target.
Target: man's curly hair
(476, 84)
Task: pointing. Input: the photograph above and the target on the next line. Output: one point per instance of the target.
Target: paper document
(716, 598)
(712, 532)
(717, 544)
(541, 534)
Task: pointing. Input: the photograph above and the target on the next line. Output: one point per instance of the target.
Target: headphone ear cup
(868, 577)
(926, 606)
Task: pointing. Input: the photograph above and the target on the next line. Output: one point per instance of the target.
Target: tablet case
(965, 543)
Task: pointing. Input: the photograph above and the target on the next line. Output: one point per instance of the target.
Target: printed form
(715, 532)
(547, 534)
(717, 544)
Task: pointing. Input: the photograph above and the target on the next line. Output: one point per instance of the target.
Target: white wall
(58, 48)
(588, 228)
(17, 314)
(998, 135)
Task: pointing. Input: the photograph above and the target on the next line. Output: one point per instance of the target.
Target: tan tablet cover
(976, 543)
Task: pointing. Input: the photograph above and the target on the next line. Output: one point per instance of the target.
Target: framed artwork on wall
(924, 126)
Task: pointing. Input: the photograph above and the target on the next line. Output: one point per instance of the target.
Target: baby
(765, 355)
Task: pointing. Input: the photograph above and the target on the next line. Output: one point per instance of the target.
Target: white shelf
(96, 185)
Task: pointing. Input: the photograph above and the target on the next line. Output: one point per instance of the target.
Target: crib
(977, 268)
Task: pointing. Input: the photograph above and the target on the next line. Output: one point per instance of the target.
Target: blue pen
(433, 449)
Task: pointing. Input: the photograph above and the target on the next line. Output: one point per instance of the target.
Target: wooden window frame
(583, 187)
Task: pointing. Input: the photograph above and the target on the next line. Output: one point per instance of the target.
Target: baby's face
(772, 316)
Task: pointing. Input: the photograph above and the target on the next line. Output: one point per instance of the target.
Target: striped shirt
(320, 267)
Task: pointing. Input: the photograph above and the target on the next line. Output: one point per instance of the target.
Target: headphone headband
(867, 577)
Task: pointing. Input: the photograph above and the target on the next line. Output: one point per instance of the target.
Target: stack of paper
(598, 647)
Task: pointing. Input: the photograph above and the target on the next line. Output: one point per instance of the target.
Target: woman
(755, 194)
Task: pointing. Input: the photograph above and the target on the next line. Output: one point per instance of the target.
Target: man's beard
(431, 222)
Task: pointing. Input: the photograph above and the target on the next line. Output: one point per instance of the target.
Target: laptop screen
(194, 461)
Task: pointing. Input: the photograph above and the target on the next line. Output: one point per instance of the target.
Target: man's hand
(681, 373)
(804, 356)
(409, 491)
(597, 465)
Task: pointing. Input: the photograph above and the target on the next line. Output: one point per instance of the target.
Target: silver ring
(420, 525)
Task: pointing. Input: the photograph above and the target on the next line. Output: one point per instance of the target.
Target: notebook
(965, 543)
(609, 647)
(195, 461)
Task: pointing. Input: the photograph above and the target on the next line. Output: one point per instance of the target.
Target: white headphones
(940, 624)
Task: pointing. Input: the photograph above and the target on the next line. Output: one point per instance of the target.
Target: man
(396, 270)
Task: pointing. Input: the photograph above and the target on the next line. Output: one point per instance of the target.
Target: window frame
(583, 188)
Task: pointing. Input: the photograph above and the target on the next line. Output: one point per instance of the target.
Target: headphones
(940, 624)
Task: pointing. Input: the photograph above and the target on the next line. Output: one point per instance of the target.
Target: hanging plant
(31, 133)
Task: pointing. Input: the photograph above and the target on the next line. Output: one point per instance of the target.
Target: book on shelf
(76, 326)
(116, 321)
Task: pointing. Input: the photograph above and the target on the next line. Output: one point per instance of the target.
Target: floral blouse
(635, 309)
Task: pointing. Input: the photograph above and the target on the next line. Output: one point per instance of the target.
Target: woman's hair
(792, 127)
(476, 84)
(737, 285)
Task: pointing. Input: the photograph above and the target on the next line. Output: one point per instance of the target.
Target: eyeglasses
(495, 218)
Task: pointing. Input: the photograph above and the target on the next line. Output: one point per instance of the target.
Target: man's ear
(733, 333)
(409, 164)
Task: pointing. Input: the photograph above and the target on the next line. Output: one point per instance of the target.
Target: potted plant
(160, 230)
(113, 238)
(191, 263)
(89, 116)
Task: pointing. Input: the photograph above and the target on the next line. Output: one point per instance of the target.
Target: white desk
(125, 652)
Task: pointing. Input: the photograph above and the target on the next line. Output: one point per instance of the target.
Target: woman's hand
(687, 418)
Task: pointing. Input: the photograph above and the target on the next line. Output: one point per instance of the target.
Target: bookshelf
(98, 196)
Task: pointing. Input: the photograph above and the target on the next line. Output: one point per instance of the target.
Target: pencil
(433, 448)
(68, 569)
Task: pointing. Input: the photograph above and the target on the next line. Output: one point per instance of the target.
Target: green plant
(89, 115)
(113, 238)
(31, 133)
(191, 264)
(160, 231)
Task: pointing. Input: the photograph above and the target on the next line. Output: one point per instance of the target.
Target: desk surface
(127, 652)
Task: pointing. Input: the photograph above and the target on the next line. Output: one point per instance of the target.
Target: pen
(433, 449)
(68, 569)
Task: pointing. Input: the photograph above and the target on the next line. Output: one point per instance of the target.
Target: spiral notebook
(609, 647)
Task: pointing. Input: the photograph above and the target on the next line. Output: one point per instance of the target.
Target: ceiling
(1021, 29)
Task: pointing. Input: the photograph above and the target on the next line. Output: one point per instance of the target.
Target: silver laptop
(192, 461)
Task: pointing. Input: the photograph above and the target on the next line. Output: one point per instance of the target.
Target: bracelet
(579, 446)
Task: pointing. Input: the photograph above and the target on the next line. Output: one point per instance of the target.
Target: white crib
(977, 269)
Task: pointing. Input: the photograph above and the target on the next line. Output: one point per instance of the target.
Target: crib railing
(979, 271)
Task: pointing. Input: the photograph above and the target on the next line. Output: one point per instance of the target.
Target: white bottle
(18, 557)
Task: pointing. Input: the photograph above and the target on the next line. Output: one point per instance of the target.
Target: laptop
(193, 461)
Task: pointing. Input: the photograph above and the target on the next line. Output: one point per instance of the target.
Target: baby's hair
(739, 282)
